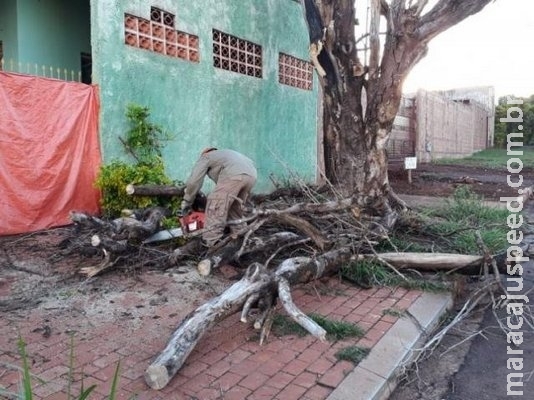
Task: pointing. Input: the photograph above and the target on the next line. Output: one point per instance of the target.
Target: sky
(491, 48)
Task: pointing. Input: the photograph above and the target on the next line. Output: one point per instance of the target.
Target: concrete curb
(376, 376)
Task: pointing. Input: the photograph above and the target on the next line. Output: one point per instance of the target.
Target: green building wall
(8, 29)
(201, 105)
(51, 33)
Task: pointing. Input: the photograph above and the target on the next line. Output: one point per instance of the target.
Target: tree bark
(154, 190)
(257, 282)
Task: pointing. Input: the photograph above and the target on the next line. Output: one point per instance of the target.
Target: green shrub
(143, 143)
(113, 179)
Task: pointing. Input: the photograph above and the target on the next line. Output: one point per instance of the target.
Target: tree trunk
(360, 103)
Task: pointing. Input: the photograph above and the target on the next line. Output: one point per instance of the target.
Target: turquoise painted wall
(53, 32)
(8, 29)
(201, 105)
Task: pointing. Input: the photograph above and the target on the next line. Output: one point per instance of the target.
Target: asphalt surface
(483, 375)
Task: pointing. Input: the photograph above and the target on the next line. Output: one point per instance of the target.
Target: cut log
(150, 224)
(112, 246)
(427, 261)
(154, 190)
(125, 227)
(256, 280)
(193, 327)
(88, 220)
(431, 262)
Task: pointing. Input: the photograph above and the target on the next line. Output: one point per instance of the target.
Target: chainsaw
(194, 221)
(189, 223)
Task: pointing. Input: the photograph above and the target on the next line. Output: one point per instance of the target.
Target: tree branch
(294, 312)
(420, 7)
(445, 14)
(374, 40)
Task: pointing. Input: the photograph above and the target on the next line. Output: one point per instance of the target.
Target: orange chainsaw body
(193, 221)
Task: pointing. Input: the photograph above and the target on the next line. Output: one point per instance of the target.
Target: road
(483, 375)
(477, 368)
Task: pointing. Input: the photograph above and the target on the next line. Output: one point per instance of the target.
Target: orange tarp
(49, 152)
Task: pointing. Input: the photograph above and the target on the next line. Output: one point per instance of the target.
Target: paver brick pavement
(227, 363)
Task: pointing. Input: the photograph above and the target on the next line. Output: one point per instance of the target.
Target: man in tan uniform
(234, 175)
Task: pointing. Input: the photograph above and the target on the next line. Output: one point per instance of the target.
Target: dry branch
(257, 280)
(305, 227)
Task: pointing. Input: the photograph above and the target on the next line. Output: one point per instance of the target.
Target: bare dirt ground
(41, 270)
(442, 180)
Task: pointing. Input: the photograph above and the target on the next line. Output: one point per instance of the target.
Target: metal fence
(46, 71)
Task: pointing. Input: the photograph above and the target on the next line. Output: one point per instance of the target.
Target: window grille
(161, 16)
(158, 36)
(237, 55)
(295, 72)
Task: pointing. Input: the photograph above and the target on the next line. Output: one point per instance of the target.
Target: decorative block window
(237, 55)
(161, 16)
(159, 35)
(295, 72)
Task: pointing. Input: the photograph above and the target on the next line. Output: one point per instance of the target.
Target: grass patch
(451, 228)
(26, 387)
(490, 158)
(335, 330)
(394, 312)
(369, 273)
(283, 326)
(354, 354)
(464, 214)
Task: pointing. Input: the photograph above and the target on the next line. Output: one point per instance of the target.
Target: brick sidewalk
(228, 362)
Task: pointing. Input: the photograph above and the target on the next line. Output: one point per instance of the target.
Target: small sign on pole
(409, 164)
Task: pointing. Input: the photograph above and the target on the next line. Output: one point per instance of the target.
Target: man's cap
(207, 150)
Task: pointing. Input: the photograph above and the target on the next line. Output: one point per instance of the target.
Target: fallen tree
(283, 243)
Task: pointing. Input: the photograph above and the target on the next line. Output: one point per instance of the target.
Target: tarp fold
(49, 152)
